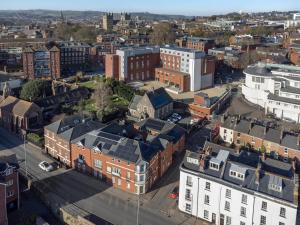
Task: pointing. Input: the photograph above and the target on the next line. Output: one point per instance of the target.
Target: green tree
(263, 149)
(35, 89)
(162, 34)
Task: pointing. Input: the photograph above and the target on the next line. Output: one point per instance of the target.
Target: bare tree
(162, 34)
(102, 96)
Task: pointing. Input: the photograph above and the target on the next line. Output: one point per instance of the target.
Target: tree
(102, 96)
(162, 34)
(35, 89)
(263, 149)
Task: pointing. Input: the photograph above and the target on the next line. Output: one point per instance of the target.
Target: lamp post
(138, 211)
(25, 155)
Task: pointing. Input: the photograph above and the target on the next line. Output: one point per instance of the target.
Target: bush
(34, 138)
(35, 89)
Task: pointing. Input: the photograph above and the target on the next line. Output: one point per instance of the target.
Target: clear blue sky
(187, 7)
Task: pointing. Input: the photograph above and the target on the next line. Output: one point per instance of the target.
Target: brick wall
(112, 68)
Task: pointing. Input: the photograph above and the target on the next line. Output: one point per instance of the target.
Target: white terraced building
(274, 87)
(224, 187)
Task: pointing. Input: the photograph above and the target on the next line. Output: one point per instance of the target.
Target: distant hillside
(48, 15)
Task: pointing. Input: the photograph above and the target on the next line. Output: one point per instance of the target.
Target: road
(93, 195)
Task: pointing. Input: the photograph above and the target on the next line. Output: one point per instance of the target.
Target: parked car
(177, 116)
(174, 194)
(46, 166)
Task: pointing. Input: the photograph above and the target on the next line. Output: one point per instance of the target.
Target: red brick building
(41, 62)
(19, 116)
(58, 136)
(133, 64)
(112, 69)
(279, 144)
(9, 184)
(202, 44)
(114, 155)
(204, 106)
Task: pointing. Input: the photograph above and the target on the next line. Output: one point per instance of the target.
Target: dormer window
(275, 183)
(214, 164)
(192, 160)
(237, 171)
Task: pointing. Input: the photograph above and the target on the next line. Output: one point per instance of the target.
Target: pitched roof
(19, 107)
(159, 98)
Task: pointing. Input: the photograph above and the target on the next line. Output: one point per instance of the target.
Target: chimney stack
(298, 140)
(222, 118)
(281, 135)
(265, 130)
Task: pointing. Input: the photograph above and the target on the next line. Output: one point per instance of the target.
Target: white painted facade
(240, 201)
(226, 135)
(284, 85)
(191, 63)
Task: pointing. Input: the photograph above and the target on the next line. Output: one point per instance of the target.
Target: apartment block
(133, 64)
(279, 144)
(184, 69)
(222, 186)
(41, 62)
(275, 87)
(9, 184)
(130, 163)
(58, 136)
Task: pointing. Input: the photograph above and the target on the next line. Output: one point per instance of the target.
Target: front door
(214, 218)
(222, 219)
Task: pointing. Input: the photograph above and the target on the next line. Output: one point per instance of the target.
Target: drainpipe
(197, 199)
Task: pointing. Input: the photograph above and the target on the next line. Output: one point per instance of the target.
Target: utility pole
(138, 211)
(25, 153)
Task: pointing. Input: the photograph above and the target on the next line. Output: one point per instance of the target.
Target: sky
(184, 7)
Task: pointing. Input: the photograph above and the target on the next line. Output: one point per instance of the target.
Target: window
(128, 185)
(244, 199)
(243, 211)
(228, 193)
(238, 134)
(119, 182)
(281, 223)
(206, 199)
(264, 206)
(207, 186)
(263, 220)
(128, 175)
(242, 223)
(189, 181)
(116, 171)
(188, 207)
(98, 163)
(206, 214)
(108, 169)
(227, 206)
(228, 220)
(10, 182)
(282, 212)
(188, 194)
(10, 194)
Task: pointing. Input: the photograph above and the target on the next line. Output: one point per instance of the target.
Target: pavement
(98, 198)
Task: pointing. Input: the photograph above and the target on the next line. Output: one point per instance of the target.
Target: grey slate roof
(159, 98)
(268, 169)
(283, 99)
(72, 127)
(291, 90)
(134, 102)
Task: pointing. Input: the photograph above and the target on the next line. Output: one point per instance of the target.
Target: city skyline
(194, 8)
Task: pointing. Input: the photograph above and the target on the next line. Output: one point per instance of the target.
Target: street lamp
(25, 153)
(138, 211)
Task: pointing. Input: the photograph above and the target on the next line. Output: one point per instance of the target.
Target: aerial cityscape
(128, 112)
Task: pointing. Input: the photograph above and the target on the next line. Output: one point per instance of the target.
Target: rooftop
(256, 174)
